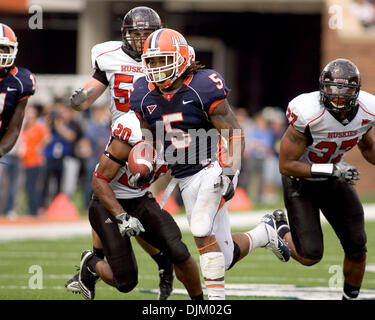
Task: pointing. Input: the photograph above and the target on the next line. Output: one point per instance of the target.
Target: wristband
(319, 170)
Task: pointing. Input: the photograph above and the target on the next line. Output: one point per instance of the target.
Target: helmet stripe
(155, 39)
(9, 33)
(2, 31)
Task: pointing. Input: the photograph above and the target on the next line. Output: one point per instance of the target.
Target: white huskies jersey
(121, 71)
(127, 128)
(330, 139)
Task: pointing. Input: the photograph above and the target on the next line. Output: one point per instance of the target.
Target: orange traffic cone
(240, 201)
(171, 205)
(62, 208)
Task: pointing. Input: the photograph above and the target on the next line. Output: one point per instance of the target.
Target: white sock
(258, 237)
(215, 289)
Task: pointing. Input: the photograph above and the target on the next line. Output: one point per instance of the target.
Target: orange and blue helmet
(173, 47)
(8, 39)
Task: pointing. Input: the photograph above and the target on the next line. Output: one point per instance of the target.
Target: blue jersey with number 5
(182, 119)
(18, 85)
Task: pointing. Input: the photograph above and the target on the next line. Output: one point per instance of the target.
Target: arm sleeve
(100, 75)
(28, 84)
(212, 89)
(295, 117)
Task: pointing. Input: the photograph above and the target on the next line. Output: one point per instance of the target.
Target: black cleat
(86, 278)
(281, 220)
(72, 284)
(165, 284)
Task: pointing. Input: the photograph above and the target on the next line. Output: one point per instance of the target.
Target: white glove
(79, 96)
(128, 225)
(226, 185)
(345, 172)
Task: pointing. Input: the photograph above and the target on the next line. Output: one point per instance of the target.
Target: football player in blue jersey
(16, 86)
(185, 106)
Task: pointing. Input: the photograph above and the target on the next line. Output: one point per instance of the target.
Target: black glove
(136, 181)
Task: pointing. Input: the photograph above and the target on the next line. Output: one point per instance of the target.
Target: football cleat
(277, 245)
(165, 284)
(281, 220)
(86, 278)
(72, 284)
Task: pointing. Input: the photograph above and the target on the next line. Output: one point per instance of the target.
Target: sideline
(28, 228)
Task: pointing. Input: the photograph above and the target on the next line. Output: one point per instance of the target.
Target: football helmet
(8, 39)
(172, 48)
(139, 18)
(340, 82)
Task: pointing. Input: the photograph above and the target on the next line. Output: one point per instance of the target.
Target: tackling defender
(123, 207)
(117, 65)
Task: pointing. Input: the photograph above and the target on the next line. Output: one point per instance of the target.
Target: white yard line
(59, 230)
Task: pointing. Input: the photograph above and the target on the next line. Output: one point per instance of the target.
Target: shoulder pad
(127, 128)
(211, 88)
(303, 109)
(102, 48)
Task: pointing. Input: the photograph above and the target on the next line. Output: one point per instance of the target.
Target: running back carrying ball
(142, 160)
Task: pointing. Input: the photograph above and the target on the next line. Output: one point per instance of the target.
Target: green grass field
(56, 260)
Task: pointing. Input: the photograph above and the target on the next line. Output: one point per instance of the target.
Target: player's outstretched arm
(83, 98)
(14, 129)
(367, 146)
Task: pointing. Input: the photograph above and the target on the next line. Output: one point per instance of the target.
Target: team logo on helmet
(172, 50)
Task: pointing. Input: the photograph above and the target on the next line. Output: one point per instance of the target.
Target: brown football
(141, 158)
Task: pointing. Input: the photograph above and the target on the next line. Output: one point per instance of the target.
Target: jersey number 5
(121, 94)
(214, 77)
(180, 139)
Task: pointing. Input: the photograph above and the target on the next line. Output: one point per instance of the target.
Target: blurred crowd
(364, 10)
(56, 151)
(59, 148)
(260, 176)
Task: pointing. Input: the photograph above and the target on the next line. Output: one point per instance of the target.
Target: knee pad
(127, 287)
(212, 265)
(201, 225)
(178, 252)
(359, 255)
(356, 249)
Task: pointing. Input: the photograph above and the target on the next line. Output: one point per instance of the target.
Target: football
(142, 158)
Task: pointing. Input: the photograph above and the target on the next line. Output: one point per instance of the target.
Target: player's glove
(345, 172)
(136, 181)
(342, 171)
(225, 183)
(128, 225)
(79, 96)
